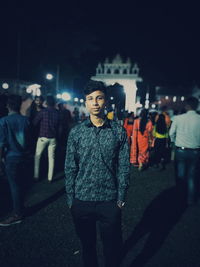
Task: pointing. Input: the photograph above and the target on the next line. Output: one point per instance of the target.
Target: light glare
(5, 85)
(66, 96)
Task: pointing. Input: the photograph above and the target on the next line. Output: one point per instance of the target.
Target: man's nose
(95, 102)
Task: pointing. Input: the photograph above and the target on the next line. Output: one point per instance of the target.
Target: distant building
(125, 74)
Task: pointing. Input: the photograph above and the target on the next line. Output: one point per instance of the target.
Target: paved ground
(157, 233)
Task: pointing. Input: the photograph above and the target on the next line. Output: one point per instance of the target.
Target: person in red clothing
(142, 140)
(128, 125)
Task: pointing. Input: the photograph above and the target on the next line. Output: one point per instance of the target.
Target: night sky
(164, 40)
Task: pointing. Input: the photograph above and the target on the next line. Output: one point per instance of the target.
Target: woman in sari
(141, 140)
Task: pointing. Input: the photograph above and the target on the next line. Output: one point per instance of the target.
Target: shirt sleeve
(123, 173)
(172, 131)
(71, 167)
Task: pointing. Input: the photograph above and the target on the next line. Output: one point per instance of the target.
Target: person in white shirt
(185, 133)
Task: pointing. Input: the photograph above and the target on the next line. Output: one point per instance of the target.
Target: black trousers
(86, 214)
(160, 150)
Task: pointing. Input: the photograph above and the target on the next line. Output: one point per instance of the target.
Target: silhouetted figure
(160, 134)
(185, 133)
(15, 144)
(48, 119)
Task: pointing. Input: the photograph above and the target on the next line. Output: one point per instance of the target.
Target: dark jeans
(16, 170)
(86, 214)
(187, 180)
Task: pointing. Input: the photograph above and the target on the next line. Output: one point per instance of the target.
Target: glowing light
(5, 85)
(34, 89)
(182, 98)
(66, 96)
(159, 102)
(76, 99)
(59, 96)
(38, 92)
(153, 105)
(28, 90)
(81, 100)
(49, 76)
(167, 97)
(111, 98)
(174, 99)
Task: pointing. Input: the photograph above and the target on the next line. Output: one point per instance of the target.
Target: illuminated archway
(124, 74)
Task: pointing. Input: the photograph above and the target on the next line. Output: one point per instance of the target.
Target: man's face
(95, 103)
(38, 101)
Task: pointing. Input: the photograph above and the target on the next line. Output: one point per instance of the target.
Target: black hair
(14, 102)
(93, 86)
(161, 126)
(40, 97)
(144, 120)
(130, 114)
(193, 102)
(50, 101)
(152, 117)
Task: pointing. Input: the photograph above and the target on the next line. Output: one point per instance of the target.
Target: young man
(48, 119)
(97, 176)
(14, 145)
(185, 133)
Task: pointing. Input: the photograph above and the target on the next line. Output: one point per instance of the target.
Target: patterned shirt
(97, 164)
(49, 122)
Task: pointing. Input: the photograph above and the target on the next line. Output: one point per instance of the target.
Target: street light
(66, 96)
(49, 76)
(59, 96)
(5, 85)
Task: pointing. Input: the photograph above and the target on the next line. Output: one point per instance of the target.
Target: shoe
(12, 220)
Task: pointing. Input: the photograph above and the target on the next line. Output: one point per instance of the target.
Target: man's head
(14, 103)
(50, 101)
(95, 97)
(39, 100)
(191, 103)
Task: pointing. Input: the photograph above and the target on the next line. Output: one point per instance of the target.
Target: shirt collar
(88, 123)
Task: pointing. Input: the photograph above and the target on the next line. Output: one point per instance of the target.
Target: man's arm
(123, 173)
(71, 167)
(172, 131)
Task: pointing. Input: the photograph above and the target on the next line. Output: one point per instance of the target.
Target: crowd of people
(148, 136)
(96, 155)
